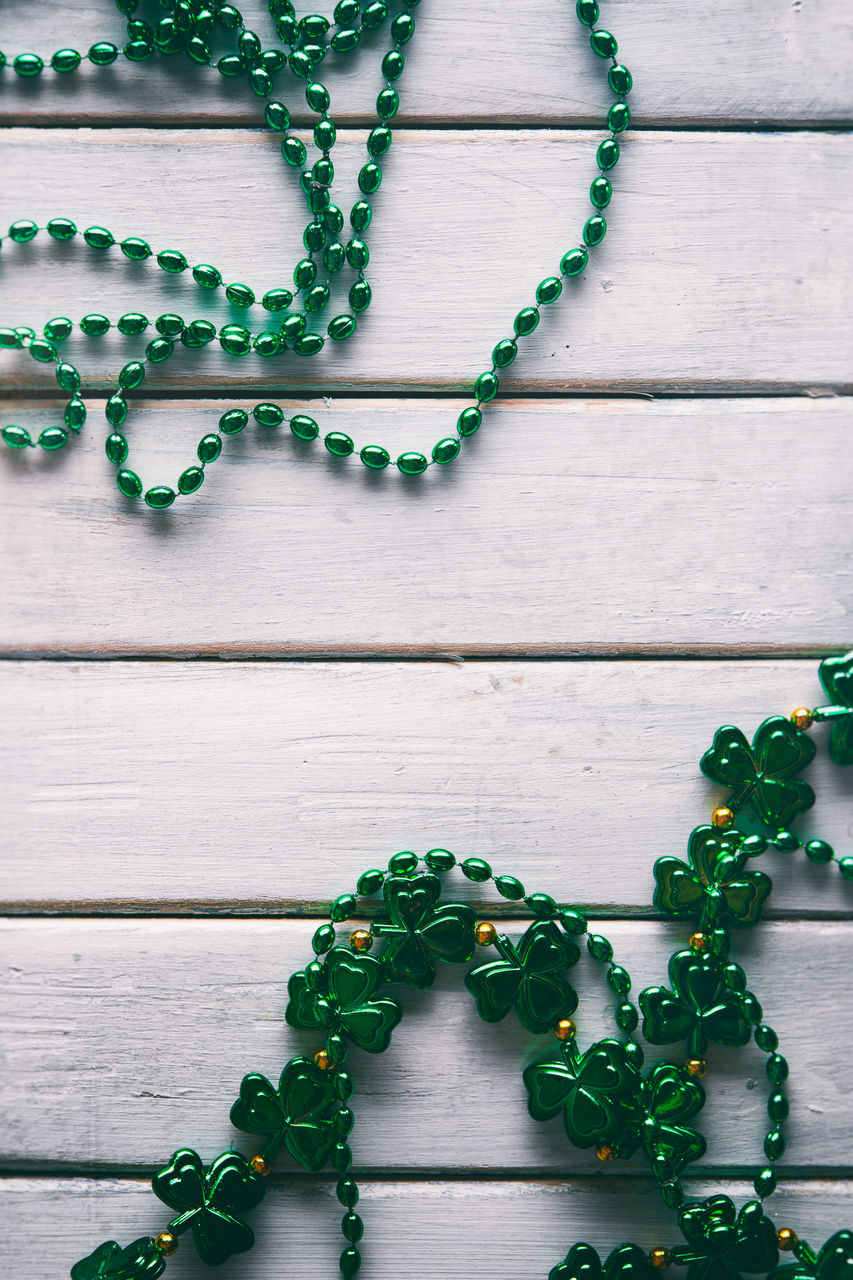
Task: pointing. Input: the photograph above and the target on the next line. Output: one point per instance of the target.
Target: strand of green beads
(44, 351)
(777, 1107)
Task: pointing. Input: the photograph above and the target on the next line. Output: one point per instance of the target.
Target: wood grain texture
(725, 265)
(274, 785)
(84, 1087)
(451, 1228)
(752, 62)
(565, 524)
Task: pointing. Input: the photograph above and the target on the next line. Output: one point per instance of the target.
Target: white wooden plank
(125, 1039)
(565, 525)
(510, 1229)
(725, 264)
(274, 785)
(486, 62)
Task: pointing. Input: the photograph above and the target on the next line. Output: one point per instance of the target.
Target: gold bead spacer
(696, 1066)
(785, 1237)
(660, 1258)
(722, 817)
(361, 940)
(166, 1243)
(802, 718)
(698, 941)
(605, 1152)
(485, 934)
(261, 1165)
(565, 1029)
(322, 1059)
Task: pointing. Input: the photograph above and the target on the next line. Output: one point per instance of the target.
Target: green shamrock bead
(209, 1201)
(141, 1260)
(712, 881)
(529, 978)
(419, 931)
(722, 1244)
(833, 1262)
(670, 1096)
(836, 676)
(588, 1088)
(299, 1113)
(344, 1000)
(626, 1262)
(700, 1007)
(762, 773)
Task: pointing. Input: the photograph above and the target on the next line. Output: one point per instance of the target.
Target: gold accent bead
(261, 1165)
(696, 1066)
(565, 1029)
(786, 1238)
(605, 1152)
(485, 933)
(802, 718)
(698, 941)
(166, 1243)
(660, 1258)
(722, 817)
(361, 940)
(322, 1059)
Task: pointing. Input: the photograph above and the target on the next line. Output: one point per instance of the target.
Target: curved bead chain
(188, 27)
(606, 1097)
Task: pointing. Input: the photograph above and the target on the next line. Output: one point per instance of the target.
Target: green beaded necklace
(195, 27)
(607, 1098)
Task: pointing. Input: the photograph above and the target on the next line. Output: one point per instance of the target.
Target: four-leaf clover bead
(209, 1201)
(141, 1260)
(713, 884)
(763, 772)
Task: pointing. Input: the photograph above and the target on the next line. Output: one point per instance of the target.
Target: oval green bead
(819, 851)
(845, 868)
(393, 64)
(94, 325)
(172, 261)
(401, 864)
(160, 497)
(9, 339)
(276, 299)
(293, 151)
(603, 43)
(599, 948)
(303, 427)
(206, 276)
(103, 54)
(135, 248)
(359, 295)
(618, 117)
(510, 888)
(240, 294)
(345, 40)
(169, 324)
(158, 350)
(209, 448)
(600, 192)
(505, 352)
(198, 333)
(98, 237)
(74, 414)
(526, 321)
(594, 230)
(268, 415)
(786, 841)
(232, 421)
(277, 116)
(440, 860)
(387, 104)
(58, 329)
(347, 1193)
(469, 421)
(542, 905)
(444, 451)
(16, 437)
(476, 869)
(360, 216)
(190, 480)
(62, 229)
(412, 463)
(627, 1016)
(587, 12)
(607, 154)
(132, 375)
(774, 1144)
(549, 290)
(316, 298)
(235, 339)
(115, 447)
(766, 1039)
(764, 1183)
(67, 376)
(778, 1107)
(129, 483)
(486, 387)
(777, 1068)
(28, 65)
(620, 79)
(338, 443)
(343, 907)
(267, 343)
(619, 980)
(370, 882)
(341, 327)
(115, 410)
(23, 230)
(370, 178)
(375, 457)
(323, 939)
(43, 351)
(317, 96)
(309, 344)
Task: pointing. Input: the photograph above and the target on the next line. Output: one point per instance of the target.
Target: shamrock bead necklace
(607, 1097)
(193, 27)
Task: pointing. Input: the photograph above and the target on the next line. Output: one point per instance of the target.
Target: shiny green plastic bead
(352, 1227)
(43, 351)
(358, 254)
(619, 980)
(9, 339)
(766, 1039)
(549, 290)
(209, 448)
(600, 192)
(347, 1193)
(845, 868)
(393, 64)
(172, 261)
(94, 325)
(276, 299)
(603, 43)
(620, 79)
(754, 846)
(190, 480)
(136, 249)
(607, 154)
(504, 353)
(469, 421)
(412, 463)
(334, 256)
(440, 860)
(28, 65)
(343, 907)
(627, 1016)
(542, 905)
(277, 116)
(260, 80)
(360, 216)
(16, 437)
(22, 230)
(526, 321)
(476, 869)
(268, 415)
(206, 276)
(158, 350)
(387, 104)
(129, 483)
(139, 50)
(232, 421)
(587, 11)
(350, 1262)
(74, 414)
(67, 376)
(317, 96)
(345, 40)
(338, 443)
(61, 229)
(378, 141)
(819, 851)
(198, 333)
(573, 922)
(594, 230)
(115, 447)
(341, 327)
(375, 457)
(240, 294)
(764, 1183)
(618, 117)
(402, 28)
(316, 298)
(65, 60)
(58, 329)
(309, 344)
(445, 451)
(672, 1194)
(132, 375)
(102, 54)
(293, 326)
(510, 888)
(370, 178)
(235, 339)
(170, 325)
(401, 864)
(786, 841)
(486, 387)
(115, 410)
(777, 1068)
(370, 882)
(303, 427)
(359, 295)
(267, 344)
(323, 939)
(293, 151)
(778, 1107)
(774, 1144)
(160, 497)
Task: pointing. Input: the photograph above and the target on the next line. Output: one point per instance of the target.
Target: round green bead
(573, 262)
(469, 421)
(61, 229)
(338, 443)
(23, 230)
(136, 249)
(440, 860)
(129, 483)
(370, 178)
(16, 437)
(819, 851)
(303, 427)
(476, 869)
(209, 447)
(375, 457)
(268, 415)
(445, 451)
(486, 387)
(160, 497)
(412, 463)
(115, 448)
(232, 421)
(170, 325)
(401, 864)
(370, 882)
(190, 480)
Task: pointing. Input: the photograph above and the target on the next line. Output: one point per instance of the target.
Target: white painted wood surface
(755, 62)
(212, 995)
(272, 786)
(725, 263)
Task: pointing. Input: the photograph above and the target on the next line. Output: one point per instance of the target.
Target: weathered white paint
(125, 1039)
(565, 526)
(725, 265)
